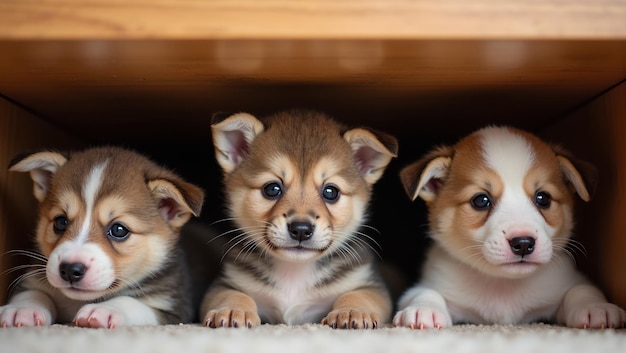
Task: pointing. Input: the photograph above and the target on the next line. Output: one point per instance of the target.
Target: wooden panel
(169, 89)
(596, 133)
(19, 131)
(306, 19)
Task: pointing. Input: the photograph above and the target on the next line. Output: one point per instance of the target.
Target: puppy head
(298, 183)
(500, 200)
(108, 217)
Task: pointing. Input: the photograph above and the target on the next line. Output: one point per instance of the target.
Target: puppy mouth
(299, 252)
(521, 266)
(521, 262)
(78, 293)
(298, 248)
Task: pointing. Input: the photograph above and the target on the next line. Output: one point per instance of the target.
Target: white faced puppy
(109, 222)
(500, 213)
(298, 185)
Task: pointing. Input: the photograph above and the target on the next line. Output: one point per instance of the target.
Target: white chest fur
(472, 296)
(297, 296)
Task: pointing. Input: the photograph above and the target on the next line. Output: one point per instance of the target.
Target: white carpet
(310, 338)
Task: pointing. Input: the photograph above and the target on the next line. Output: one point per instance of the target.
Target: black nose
(300, 231)
(73, 272)
(522, 245)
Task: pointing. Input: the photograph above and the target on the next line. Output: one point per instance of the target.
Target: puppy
(500, 212)
(109, 222)
(297, 186)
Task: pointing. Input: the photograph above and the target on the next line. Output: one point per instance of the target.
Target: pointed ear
(425, 177)
(372, 151)
(42, 167)
(177, 200)
(581, 175)
(232, 136)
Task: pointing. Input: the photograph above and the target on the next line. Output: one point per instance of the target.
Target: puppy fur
(108, 231)
(298, 185)
(501, 216)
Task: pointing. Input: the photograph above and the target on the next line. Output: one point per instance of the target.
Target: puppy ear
(177, 199)
(425, 177)
(42, 167)
(232, 136)
(581, 175)
(372, 151)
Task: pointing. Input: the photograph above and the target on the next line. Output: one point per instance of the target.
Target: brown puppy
(298, 185)
(109, 222)
(501, 216)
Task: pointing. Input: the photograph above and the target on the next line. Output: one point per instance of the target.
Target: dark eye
(118, 232)
(272, 190)
(543, 199)
(330, 193)
(60, 224)
(481, 202)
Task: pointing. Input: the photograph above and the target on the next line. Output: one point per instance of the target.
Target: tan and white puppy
(500, 207)
(109, 222)
(298, 185)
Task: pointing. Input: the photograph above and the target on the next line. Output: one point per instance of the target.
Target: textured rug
(310, 338)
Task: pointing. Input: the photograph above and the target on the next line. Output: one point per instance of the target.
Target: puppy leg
(584, 306)
(360, 309)
(116, 312)
(28, 308)
(224, 307)
(422, 308)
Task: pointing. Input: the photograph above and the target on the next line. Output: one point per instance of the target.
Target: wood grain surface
(307, 19)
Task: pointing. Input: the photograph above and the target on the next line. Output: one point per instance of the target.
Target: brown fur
(503, 260)
(152, 202)
(303, 152)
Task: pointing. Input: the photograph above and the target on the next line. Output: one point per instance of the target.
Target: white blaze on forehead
(90, 190)
(507, 153)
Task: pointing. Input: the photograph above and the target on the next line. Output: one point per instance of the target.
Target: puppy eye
(543, 199)
(272, 190)
(481, 202)
(330, 193)
(60, 224)
(118, 232)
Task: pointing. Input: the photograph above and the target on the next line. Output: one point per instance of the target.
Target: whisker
(368, 238)
(248, 248)
(234, 219)
(235, 230)
(241, 238)
(372, 228)
(32, 254)
(364, 245)
(13, 285)
(22, 267)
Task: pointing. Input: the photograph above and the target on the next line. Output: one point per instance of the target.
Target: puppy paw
(227, 317)
(23, 316)
(422, 318)
(597, 316)
(99, 316)
(351, 319)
